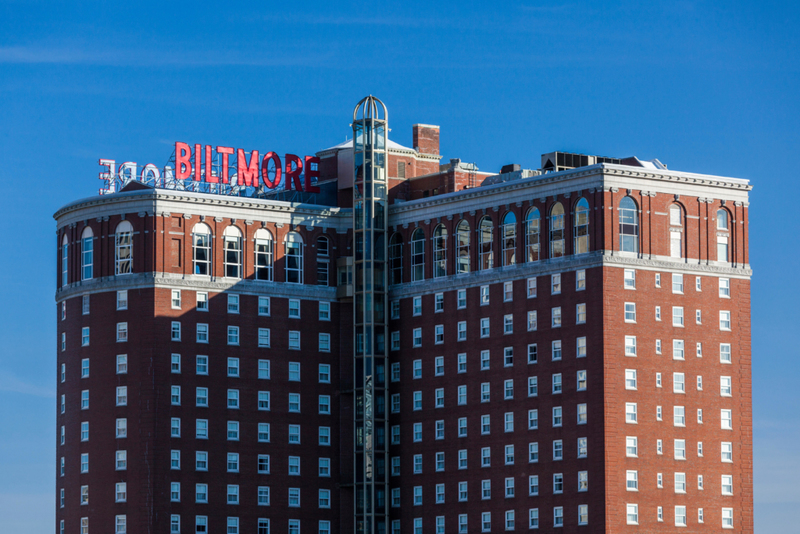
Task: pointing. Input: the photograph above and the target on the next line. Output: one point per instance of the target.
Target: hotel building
(419, 347)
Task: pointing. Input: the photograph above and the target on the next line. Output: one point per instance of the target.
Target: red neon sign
(196, 163)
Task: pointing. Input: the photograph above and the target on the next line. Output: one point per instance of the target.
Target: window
(556, 350)
(233, 367)
(486, 457)
(263, 464)
(630, 378)
(122, 334)
(678, 383)
(438, 334)
(680, 449)
(485, 327)
(85, 304)
(294, 402)
(557, 416)
(677, 316)
(726, 419)
(233, 335)
(631, 446)
(630, 345)
(201, 428)
(123, 248)
(632, 480)
(677, 283)
(417, 337)
(533, 419)
(533, 386)
(724, 287)
(679, 416)
(680, 482)
(485, 424)
(462, 427)
(322, 261)
(724, 320)
(294, 465)
(556, 383)
(175, 395)
(121, 460)
(629, 279)
(64, 261)
(175, 427)
(658, 313)
(263, 250)
(582, 414)
(680, 516)
(678, 352)
(633, 514)
(699, 350)
(727, 518)
(533, 353)
(85, 431)
(558, 450)
(294, 340)
(533, 518)
(121, 492)
(439, 398)
(533, 454)
(418, 255)
(293, 258)
(630, 412)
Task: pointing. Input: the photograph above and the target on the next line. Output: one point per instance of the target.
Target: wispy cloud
(100, 56)
(13, 384)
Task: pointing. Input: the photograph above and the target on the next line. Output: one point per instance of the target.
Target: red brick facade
(592, 315)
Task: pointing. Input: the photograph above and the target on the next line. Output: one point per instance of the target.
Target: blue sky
(707, 87)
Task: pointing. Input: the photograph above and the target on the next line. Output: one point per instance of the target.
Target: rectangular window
(680, 516)
(630, 412)
(485, 327)
(580, 313)
(632, 516)
(724, 287)
(533, 419)
(176, 299)
(555, 284)
(122, 299)
(484, 295)
(630, 312)
(558, 450)
(122, 333)
(85, 336)
(484, 360)
(294, 308)
(630, 345)
(726, 419)
(724, 320)
(417, 337)
(678, 352)
(508, 324)
(582, 414)
(202, 333)
(417, 305)
(175, 332)
(556, 383)
(556, 350)
(680, 449)
(556, 317)
(677, 316)
(631, 447)
(533, 353)
(531, 287)
(630, 279)
(677, 283)
(678, 383)
(533, 453)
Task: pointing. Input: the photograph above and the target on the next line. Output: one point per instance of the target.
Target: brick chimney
(426, 138)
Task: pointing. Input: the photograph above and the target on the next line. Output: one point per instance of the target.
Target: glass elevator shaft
(370, 210)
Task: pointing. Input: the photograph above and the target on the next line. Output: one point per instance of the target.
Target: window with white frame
(630, 312)
(630, 412)
(724, 320)
(555, 284)
(580, 313)
(680, 516)
(725, 287)
(630, 345)
(629, 280)
(580, 347)
(630, 378)
(556, 350)
(531, 287)
(678, 352)
(726, 419)
(632, 514)
(677, 316)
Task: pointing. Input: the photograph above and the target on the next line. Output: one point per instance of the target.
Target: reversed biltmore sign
(221, 170)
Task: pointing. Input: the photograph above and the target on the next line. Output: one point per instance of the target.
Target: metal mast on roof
(370, 212)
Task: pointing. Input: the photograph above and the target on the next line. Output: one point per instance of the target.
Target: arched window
(581, 237)
(264, 254)
(509, 230)
(123, 248)
(87, 254)
(440, 251)
(532, 234)
(723, 235)
(64, 260)
(722, 219)
(675, 231)
(628, 225)
(323, 260)
(462, 247)
(557, 231)
(396, 259)
(232, 252)
(485, 238)
(201, 249)
(418, 255)
(293, 256)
